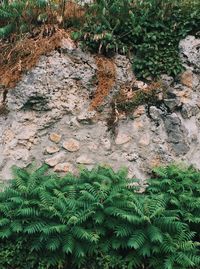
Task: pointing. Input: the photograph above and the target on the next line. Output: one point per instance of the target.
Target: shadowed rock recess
(50, 119)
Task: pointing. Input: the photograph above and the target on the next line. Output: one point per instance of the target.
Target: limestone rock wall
(50, 120)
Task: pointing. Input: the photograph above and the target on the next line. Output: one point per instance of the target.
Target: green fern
(98, 218)
(180, 188)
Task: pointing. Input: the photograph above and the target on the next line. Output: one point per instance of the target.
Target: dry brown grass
(131, 96)
(22, 55)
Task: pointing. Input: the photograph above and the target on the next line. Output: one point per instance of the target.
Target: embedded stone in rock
(116, 156)
(86, 117)
(52, 149)
(177, 134)
(190, 53)
(55, 159)
(181, 148)
(122, 138)
(67, 44)
(130, 156)
(171, 121)
(64, 167)
(26, 132)
(8, 135)
(140, 85)
(144, 140)
(172, 104)
(54, 137)
(93, 147)
(106, 143)
(21, 154)
(71, 145)
(138, 124)
(139, 111)
(187, 78)
(189, 110)
(155, 113)
(84, 159)
(166, 80)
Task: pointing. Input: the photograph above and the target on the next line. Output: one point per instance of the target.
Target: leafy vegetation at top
(100, 218)
(151, 29)
(19, 16)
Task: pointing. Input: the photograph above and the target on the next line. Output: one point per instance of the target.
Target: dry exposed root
(106, 80)
(17, 58)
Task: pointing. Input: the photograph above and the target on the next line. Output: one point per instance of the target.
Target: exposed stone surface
(144, 140)
(187, 78)
(64, 167)
(54, 137)
(177, 134)
(52, 149)
(50, 119)
(84, 159)
(86, 117)
(53, 161)
(190, 52)
(122, 138)
(71, 145)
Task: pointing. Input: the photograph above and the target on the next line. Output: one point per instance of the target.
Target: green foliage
(181, 190)
(98, 218)
(18, 15)
(151, 29)
(16, 254)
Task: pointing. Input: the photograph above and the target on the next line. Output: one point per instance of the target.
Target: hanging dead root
(106, 79)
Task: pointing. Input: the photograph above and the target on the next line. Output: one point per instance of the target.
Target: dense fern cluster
(181, 190)
(98, 219)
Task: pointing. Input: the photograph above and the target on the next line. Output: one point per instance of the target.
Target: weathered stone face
(190, 53)
(50, 119)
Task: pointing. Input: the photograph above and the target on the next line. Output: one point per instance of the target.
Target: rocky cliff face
(50, 117)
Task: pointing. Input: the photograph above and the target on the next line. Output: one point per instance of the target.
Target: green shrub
(151, 29)
(98, 219)
(16, 254)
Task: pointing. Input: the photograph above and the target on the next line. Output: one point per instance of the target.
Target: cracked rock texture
(50, 119)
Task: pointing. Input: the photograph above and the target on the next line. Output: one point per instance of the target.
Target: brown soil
(106, 80)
